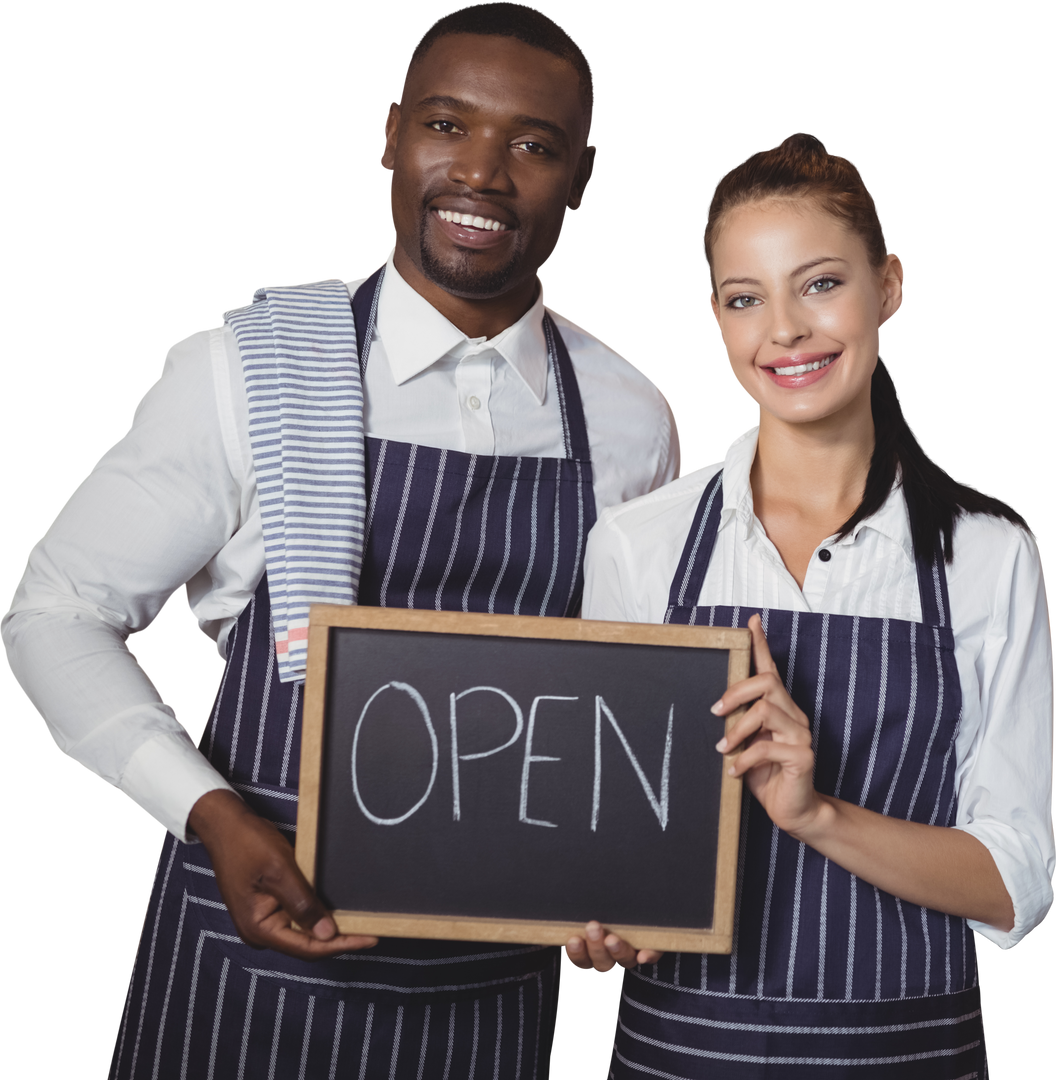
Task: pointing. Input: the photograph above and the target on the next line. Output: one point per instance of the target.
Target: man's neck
(475, 318)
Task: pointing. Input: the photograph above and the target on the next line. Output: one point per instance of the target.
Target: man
(494, 434)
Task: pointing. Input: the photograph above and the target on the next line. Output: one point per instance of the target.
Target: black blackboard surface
(507, 782)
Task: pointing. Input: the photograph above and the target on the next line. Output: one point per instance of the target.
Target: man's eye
(823, 285)
(532, 147)
(742, 301)
(447, 127)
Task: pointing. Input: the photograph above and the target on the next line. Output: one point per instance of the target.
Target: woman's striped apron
(829, 976)
(446, 530)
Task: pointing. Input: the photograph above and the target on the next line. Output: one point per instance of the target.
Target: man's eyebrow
(445, 101)
(795, 273)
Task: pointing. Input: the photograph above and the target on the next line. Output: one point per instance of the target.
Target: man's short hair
(515, 21)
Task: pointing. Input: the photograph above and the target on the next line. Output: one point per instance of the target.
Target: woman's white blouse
(998, 614)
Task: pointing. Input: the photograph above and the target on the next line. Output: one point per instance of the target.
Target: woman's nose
(788, 324)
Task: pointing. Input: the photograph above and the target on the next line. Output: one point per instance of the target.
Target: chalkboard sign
(507, 778)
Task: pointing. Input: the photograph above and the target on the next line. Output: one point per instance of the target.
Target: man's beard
(460, 277)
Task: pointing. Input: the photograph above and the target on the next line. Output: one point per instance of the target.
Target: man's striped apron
(446, 530)
(829, 976)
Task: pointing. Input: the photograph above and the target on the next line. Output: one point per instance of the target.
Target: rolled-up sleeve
(1004, 746)
(150, 516)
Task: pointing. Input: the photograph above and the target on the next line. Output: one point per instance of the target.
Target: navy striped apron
(447, 530)
(829, 976)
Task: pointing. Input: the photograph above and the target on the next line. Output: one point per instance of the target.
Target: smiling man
(432, 437)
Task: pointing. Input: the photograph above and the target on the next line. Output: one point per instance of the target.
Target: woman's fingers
(795, 758)
(602, 951)
(769, 719)
(773, 709)
(761, 657)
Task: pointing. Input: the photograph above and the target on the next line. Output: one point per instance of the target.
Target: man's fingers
(288, 885)
(282, 937)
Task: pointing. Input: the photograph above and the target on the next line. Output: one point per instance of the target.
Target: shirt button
(824, 554)
(474, 403)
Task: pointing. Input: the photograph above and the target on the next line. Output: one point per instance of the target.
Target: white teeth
(802, 369)
(474, 221)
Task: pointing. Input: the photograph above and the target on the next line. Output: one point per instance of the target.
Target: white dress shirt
(175, 502)
(998, 615)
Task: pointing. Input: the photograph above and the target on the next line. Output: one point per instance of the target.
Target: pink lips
(808, 378)
(467, 236)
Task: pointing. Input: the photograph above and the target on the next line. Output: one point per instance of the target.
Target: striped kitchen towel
(301, 366)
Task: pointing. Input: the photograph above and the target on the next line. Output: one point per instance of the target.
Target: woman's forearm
(939, 868)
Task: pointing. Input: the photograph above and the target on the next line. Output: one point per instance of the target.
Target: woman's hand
(601, 951)
(777, 761)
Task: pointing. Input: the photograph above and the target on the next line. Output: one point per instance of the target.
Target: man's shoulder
(591, 353)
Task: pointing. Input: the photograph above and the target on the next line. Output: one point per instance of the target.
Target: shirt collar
(416, 336)
(892, 519)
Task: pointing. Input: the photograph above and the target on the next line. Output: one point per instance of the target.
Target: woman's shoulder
(661, 510)
(995, 562)
(983, 540)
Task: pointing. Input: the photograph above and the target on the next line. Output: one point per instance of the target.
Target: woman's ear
(715, 308)
(891, 286)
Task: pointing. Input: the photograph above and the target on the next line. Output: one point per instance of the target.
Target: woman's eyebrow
(795, 273)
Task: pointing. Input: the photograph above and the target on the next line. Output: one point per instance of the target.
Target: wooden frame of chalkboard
(353, 653)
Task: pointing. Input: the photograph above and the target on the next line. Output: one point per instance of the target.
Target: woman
(898, 749)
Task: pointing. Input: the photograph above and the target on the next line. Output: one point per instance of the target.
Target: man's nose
(481, 164)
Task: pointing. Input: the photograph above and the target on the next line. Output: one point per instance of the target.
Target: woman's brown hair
(801, 169)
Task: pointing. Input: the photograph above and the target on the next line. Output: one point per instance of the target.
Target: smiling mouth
(802, 369)
(471, 221)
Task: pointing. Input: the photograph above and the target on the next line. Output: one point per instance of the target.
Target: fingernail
(574, 944)
(324, 929)
(731, 770)
(612, 943)
(717, 707)
(721, 745)
(594, 933)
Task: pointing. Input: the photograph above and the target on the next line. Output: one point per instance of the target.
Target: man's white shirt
(175, 502)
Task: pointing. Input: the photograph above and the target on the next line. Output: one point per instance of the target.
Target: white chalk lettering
(529, 758)
(456, 757)
(424, 710)
(660, 806)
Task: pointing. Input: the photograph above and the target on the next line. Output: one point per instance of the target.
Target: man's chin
(463, 279)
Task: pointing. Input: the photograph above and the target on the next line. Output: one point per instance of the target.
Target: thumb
(300, 902)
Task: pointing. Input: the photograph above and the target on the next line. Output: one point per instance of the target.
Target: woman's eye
(446, 127)
(823, 285)
(742, 301)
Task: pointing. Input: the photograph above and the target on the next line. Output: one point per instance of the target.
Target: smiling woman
(898, 736)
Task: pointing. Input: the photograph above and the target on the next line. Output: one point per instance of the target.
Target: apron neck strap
(573, 421)
(696, 554)
(934, 596)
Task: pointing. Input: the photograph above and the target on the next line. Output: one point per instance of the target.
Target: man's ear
(583, 172)
(392, 127)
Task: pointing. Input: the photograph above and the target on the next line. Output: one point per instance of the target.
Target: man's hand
(261, 883)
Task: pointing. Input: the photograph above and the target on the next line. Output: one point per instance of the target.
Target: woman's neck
(808, 479)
